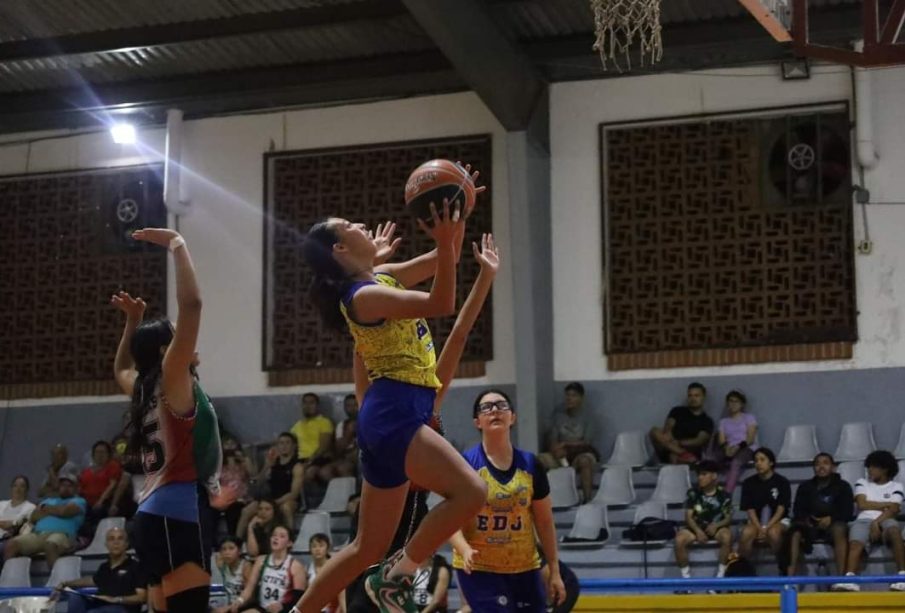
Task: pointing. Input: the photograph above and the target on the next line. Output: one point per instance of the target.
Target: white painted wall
(225, 229)
(577, 110)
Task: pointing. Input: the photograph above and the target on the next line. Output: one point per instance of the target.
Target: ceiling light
(123, 133)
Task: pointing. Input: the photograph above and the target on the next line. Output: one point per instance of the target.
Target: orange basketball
(435, 180)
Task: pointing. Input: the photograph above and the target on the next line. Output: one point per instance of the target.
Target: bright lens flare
(123, 133)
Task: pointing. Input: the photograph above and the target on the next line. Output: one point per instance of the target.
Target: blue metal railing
(788, 599)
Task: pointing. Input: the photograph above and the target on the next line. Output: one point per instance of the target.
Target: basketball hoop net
(618, 23)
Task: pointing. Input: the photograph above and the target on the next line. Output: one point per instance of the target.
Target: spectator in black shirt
(686, 432)
(120, 582)
(766, 497)
(823, 507)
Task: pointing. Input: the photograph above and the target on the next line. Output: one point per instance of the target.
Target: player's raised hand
(444, 228)
(384, 241)
(158, 236)
(487, 255)
(134, 308)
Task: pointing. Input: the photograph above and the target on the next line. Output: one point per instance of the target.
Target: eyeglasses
(487, 407)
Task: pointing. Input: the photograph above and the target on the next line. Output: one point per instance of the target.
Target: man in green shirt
(708, 514)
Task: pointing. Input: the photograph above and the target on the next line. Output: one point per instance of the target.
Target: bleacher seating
(799, 444)
(630, 449)
(563, 491)
(590, 522)
(673, 482)
(900, 446)
(16, 573)
(851, 471)
(312, 523)
(98, 545)
(855, 442)
(67, 568)
(336, 498)
(616, 486)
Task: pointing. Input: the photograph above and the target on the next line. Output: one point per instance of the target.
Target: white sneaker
(846, 587)
(898, 586)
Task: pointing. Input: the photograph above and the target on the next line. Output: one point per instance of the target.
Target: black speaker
(131, 200)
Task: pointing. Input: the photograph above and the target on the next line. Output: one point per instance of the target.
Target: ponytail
(330, 282)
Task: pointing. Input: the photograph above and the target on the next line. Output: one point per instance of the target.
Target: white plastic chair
(98, 544)
(900, 447)
(616, 487)
(629, 449)
(645, 510)
(901, 476)
(16, 573)
(590, 519)
(855, 442)
(799, 444)
(563, 492)
(434, 499)
(216, 575)
(336, 498)
(673, 482)
(851, 472)
(312, 523)
(67, 568)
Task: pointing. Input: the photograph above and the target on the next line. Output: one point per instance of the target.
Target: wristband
(176, 242)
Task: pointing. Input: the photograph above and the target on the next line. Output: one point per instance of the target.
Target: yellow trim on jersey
(398, 349)
(503, 530)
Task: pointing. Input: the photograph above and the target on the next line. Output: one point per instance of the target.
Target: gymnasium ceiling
(69, 63)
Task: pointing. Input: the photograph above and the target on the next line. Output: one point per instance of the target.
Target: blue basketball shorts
(390, 415)
(504, 593)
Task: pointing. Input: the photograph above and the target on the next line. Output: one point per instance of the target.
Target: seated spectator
(98, 484)
(262, 524)
(59, 463)
(234, 477)
(120, 581)
(284, 474)
(430, 585)
(344, 458)
(319, 545)
(687, 430)
(734, 445)
(570, 441)
(15, 511)
(56, 523)
(822, 510)
(767, 498)
(879, 501)
(277, 580)
(708, 515)
(235, 570)
(124, 502)
(314, 435)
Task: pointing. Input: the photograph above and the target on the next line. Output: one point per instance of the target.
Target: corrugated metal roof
(533, 19)
(325, 43)
(23, 19)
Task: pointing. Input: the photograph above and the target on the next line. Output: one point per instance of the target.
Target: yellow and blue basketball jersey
(503, 530)
(399, 349)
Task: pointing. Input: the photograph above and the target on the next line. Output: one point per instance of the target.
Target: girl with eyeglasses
(495, 553)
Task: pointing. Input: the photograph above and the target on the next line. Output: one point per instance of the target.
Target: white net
(620, 24)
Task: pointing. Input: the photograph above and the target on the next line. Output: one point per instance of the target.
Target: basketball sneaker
(390, 595)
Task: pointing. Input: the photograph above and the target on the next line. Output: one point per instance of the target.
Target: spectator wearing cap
(735, 438)
(708, 515)
(56, 523)
(570, 441)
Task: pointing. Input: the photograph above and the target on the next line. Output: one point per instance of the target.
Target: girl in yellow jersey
(495, 553)
(387, 322)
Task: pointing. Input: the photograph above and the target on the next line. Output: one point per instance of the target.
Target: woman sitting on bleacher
(767, 499)
(15, 511)
(120, 582)
(735, 438)
(234, 569)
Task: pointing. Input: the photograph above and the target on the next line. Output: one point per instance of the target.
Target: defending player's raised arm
(488, 257)
(123, 365)
(374, 303)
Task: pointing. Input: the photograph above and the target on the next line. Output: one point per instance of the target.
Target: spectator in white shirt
(879, 500)
(15, 511)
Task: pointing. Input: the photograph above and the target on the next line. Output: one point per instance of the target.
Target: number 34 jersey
(503, 530)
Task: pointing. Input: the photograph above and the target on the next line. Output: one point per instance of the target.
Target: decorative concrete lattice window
(363, 184)
(728, 240)
(65, 248)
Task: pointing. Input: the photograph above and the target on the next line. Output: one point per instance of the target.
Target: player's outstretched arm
(488, 257)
